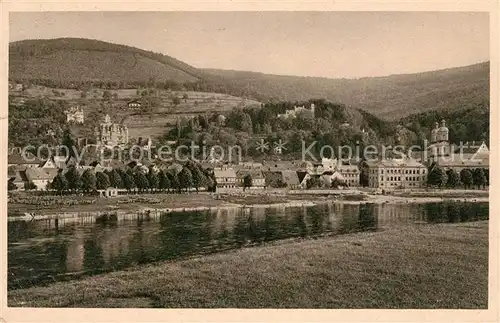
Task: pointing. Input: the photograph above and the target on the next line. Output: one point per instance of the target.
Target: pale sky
(327, 44)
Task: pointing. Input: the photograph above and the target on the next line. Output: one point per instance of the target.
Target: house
(41, 177)
(296, 110)
(396, 173)
(290, 179)
(74, 115)
(109, 192)
(328, 177)
(350, 173)
(303, 176)
(258, 179)
(250, 165)
(111, 134)
(13, 86)
(273, 179)
(109, 165)
(448, 156)
(17, 176)
(134, 104)
(225, 177)
(27, 160)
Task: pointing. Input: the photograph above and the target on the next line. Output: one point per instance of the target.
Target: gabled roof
(18, 159)
(301, 175)
(254, 173)
(272, 178)
(41, 173)
(11, 172)
(406, 162)
(290, 177)
(224, 172)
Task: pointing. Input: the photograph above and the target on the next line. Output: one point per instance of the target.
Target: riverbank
(422, 266)
(162, 202)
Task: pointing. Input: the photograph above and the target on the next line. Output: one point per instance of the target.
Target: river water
(41, 252)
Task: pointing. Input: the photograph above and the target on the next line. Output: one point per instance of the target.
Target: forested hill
(73, 62)
(390, 97)
(471, 124)
(73, 59)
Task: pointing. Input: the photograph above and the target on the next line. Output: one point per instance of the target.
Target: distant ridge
(389, 97)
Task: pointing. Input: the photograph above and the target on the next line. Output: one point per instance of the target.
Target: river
(44, 251)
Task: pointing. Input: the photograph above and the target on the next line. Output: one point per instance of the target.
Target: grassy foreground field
(428, 266)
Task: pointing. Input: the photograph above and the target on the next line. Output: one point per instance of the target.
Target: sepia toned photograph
(248, 159)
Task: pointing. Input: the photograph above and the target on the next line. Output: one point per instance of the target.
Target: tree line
(138, 179)
(478, 177)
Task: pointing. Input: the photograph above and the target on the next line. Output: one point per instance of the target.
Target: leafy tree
(185, 178)
(69, 143)
(364, 175)
(466, 177)
(313, 182)
(197, 174)
(11, 186)
(89, 181)
(60, 183)
(174, 180)
(176, 101)
(453, 178)
(115, 179)
(337, 183)
(247, 181)
(163, 181)
(128, 180)
(106, 95)
(29, 186)
(74, 179)
(487, 176)
(153, 179)
(437, 177)
(478, 177)
(102, 181)
(141, 181)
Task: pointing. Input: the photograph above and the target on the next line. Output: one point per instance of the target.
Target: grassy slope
(430, 266)
(93, 65)
(96, 60)
(154, 123)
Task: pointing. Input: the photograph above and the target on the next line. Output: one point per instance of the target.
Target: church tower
(434, 133)
(443, 132)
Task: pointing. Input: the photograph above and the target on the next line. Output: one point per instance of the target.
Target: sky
(325, 44)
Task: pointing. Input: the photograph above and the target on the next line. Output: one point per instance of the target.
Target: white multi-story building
(396, 173)
(75, 114)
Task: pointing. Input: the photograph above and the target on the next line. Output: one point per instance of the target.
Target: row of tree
(440, 177)
(141, 179)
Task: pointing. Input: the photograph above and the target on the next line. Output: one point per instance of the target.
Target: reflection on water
(48, 250)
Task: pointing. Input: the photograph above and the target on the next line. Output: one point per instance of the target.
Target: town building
(17, 176)
(41, 177)
(467, 156)
(291, 180)
(258, 179)
(111, 134)
(296, 110)
(134, 104)
(439, 147)
(75, 115)
(350, 173)
(225, 177)
(396, 173)
(329, 177)
(26, 160)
